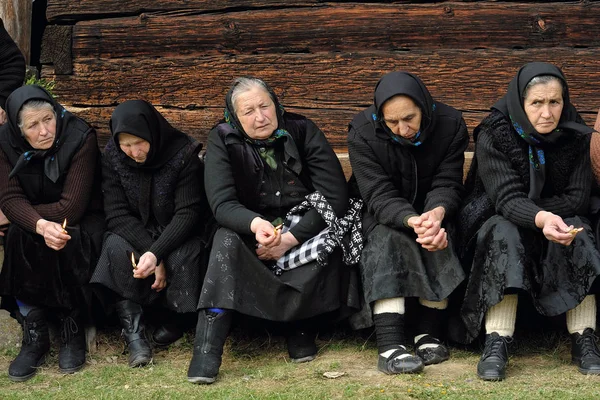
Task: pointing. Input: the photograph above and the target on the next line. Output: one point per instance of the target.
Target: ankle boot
(71, 354)
(211, 332)
(131, 317)
(168, 332)
(35, 346)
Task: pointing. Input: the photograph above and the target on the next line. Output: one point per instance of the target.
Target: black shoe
(493, 361)
(301, 346)
(35, 346)
(431, 350)
(134, 331)
(71, 354)
(400, 362)
(211, 332)
(166, 334)
(585, 352)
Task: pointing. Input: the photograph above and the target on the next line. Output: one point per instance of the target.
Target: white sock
(393, 305)
(583, 316)
(501, 318)
(438, 305)
(389, 352)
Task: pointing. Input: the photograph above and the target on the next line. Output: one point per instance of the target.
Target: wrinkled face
(134, 147)
(402, 116)
(39, 128)
(543, 106)
(256, 112)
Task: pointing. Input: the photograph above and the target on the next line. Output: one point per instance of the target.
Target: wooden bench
(345, 161)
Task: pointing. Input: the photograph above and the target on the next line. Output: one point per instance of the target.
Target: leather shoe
(585, 352)
(400, 362)
(493, 361)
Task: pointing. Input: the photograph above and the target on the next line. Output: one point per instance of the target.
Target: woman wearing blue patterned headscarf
(522, 224)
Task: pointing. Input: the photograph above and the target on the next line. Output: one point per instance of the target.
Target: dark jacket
(154, 210)
(235, 172)
(498, 181)
(12, 65)
(396, 181)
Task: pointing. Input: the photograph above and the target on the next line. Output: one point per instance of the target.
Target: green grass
(259, 368)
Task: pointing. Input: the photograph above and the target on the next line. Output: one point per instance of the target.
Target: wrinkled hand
(274, 252)
(265, 232)
(53, 234)
(554, 228)
(161, 277)
(428, 227)
(3, 221)
(3, 118)
(146, 266)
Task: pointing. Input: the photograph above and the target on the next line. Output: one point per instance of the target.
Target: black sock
(389, 328)
(431, 321)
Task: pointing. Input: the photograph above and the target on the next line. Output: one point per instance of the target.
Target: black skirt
(37, 275)
(185, 269)
(507, 257)
(394, 265)
(237, 280)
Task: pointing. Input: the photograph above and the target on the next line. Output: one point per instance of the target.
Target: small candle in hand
(64, 226)
(277, 228)
(133, 264)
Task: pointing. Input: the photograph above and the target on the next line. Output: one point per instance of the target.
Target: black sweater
(169, 200)
(396, 181)
(317, 167)
(498, 181)
(12, 65)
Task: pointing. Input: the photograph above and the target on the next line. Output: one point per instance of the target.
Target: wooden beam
(343, 28)
(468, 80)
(16, 16)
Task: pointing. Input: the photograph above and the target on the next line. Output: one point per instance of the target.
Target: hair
(34, 105)
(245, 84)
(542, 79)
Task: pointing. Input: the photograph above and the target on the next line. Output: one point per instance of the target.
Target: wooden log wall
(322, 58)
(16, 16)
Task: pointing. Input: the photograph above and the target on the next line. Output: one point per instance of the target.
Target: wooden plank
(342, 27)
(57, 48)
(16, 17)
(468, 80)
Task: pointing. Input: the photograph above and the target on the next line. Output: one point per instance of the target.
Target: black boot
(211, 332)
(169, 332)
(301, 346)
(493, 361)
(131, 317)
(71, 354)
(35, 346)
(585, 352)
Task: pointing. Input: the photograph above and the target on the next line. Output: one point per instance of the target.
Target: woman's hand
(265, 232)
(161, 277)
(274, 252)
(2, 116)
(53, 234)
(428, 227)
(146, 266)
(554, 228)
(3, 223)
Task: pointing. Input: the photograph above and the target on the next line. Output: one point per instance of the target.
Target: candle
(278, 227)
(64, 226)
(133, 264)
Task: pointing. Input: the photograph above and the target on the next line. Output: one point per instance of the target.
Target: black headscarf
(267, 151)
(403, 83)
(511, 105)
(139, 118)
(65, 136)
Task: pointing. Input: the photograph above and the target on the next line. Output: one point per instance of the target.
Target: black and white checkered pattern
(345, 232)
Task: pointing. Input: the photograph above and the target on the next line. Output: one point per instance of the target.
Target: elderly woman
(12, 69)
(50, 192)
(154, 204)
(523, 224)
(407, 154)
(260, 163)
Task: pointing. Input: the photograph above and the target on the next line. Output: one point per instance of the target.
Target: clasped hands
(146, 266)
(428, 227)
(272, 244)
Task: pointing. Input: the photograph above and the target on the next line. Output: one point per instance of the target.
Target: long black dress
(54, 184)
(158, 206)
(241, 186)
(500, 244)
(397, 179)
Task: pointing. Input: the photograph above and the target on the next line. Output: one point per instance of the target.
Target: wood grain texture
(16, 17)
(342, 28)
(468, 80)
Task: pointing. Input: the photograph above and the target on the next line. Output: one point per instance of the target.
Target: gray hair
(245, 84)
(34, 105)
(542, 79)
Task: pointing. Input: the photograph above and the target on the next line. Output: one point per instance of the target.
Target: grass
(259, 368)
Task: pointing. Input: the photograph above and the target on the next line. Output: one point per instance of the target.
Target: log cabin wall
(322, 58)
